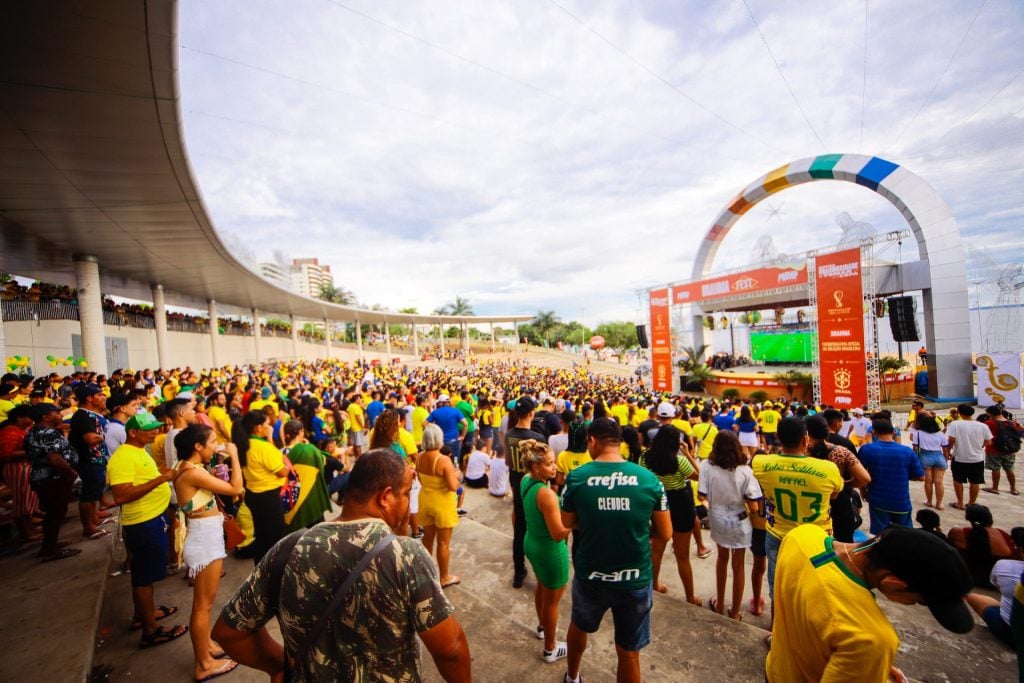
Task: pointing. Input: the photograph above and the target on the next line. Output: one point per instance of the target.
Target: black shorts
(680, 509)
(963, 472)
(771, 438)
(757, 542)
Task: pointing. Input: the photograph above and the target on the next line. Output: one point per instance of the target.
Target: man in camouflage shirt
(372, 637)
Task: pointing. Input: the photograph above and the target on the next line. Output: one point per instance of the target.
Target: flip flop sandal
(61, 554)
(704, 555)
(455, 582)
(227, 667)
(101, 533)
(161, 636)
(989, 490)
(164, 612)
(758, 609)
(1014, 492)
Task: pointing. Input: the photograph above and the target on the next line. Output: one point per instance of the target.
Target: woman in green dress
(308, 461)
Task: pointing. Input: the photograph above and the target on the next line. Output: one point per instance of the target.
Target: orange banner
(661, 341)
(841, 329)
(756, 280)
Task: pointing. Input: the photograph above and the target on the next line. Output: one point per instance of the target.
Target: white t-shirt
(114, 435)
(497, 481)
(860, 426)
(558, 442)
(1005, 575)
(476, 467)
(929, 442)
(970, 440)
(727, 489)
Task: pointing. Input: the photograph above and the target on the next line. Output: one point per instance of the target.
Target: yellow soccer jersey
(768, 421)
(827, 626)
(797, 490)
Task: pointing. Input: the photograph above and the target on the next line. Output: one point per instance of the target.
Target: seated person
(476, 466)
(1005, 576)
(981, 544)
(929, 521)
(497, 480)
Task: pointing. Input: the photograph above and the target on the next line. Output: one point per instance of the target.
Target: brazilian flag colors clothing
(797, 490)
(613, 503)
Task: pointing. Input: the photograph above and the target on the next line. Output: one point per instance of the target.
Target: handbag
(233, 534)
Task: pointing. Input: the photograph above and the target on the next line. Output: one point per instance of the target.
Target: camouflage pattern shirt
(373, 636)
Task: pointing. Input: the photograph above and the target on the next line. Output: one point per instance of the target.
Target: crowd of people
(603, 474)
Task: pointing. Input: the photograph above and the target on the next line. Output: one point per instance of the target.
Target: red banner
(841, 329)
(661, 341)
(756, 280)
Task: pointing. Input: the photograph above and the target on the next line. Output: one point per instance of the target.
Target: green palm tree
(545, 322)
(887, 365)
(694, 357)
(337, 295)
(794, 378)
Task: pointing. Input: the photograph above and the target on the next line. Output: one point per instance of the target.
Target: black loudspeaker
(641, 336)
(902, 319)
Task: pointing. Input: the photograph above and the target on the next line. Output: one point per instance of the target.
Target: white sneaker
(560, 651)
(540, 633)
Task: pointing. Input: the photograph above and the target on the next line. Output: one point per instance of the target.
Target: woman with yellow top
(265, 472)
(437, 513)
(204, 542)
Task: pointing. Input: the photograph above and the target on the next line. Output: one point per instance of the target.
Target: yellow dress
(437, 502)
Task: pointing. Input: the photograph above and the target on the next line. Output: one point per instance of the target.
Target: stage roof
(92, 161)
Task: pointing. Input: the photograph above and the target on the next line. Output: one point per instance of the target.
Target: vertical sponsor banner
(661, 341)
(999, 380)
(841, 349)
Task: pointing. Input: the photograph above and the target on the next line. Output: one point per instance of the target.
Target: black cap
(84, 391)
(525, 405)
(931, 567)
(41, 409)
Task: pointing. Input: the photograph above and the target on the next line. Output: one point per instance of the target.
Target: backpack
(1007, 437)
(290, 490)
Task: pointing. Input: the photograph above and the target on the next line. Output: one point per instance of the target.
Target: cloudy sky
(562, 154)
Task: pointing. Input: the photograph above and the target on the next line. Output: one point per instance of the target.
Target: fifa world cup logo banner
(841, 329)
(661, 341)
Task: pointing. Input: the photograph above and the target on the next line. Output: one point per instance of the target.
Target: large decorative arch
(947, 323)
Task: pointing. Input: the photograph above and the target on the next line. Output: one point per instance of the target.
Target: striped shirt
(676, 480)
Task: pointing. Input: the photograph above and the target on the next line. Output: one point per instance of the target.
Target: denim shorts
(631, 611)
(771, 549)
(147, 543)
(932, 459)
(94, 480)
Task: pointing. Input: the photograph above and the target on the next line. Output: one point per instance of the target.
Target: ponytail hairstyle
(242, 430)
(187, 439)
(291, 429)
(979, 547)
(577, 436)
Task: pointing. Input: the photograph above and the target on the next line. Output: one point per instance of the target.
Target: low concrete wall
(37, 340)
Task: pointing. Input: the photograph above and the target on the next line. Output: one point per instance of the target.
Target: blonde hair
(533, 452)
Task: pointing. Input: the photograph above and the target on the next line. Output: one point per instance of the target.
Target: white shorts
(357, 438)
(727, 529)
(204, 543)
(414, 497)
(748, 439)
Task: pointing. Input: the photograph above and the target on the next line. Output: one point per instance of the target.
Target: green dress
(314, 500)
(548, 557)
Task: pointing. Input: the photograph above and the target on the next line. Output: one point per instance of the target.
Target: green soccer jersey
(613, 502)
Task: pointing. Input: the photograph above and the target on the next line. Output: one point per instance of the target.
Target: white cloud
(510, 155)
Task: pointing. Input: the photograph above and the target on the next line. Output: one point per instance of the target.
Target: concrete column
(214, 334)
(160, 321)
(359, 341)
(90, 312)
(387, 339)
(295, 337)
(492, 336)
(3, 343)
(327, 335)
(257, 335)
(415, 342)
(440, 326)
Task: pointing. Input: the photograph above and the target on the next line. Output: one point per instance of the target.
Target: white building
(308, 276)
(276, 273)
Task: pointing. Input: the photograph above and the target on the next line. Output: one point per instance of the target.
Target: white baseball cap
(666, 409)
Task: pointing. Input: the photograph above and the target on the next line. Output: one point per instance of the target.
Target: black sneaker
(517, 580)
(462, 512)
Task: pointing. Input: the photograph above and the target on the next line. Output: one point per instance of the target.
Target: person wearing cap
(453, 425)
(143, 493)
(17, 470)
(523, 412)
(768, 422)
(87, 433)
(52, 460)
(859, 426)
(892, 467)
(828, 625)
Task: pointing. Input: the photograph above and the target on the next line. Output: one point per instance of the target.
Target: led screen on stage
(781, 347)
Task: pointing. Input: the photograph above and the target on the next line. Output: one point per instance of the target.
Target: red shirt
(11, 439)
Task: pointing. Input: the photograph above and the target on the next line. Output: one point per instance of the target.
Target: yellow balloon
(84, 364)
(53, 363)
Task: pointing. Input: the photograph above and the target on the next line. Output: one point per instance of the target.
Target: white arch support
(946, 314)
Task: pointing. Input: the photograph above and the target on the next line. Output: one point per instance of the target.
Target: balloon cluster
(18, 362)
(76, 361)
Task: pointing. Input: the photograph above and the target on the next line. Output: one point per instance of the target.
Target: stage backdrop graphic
(661, 341)
(841, 328)
(999, 380)
(746, 282)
